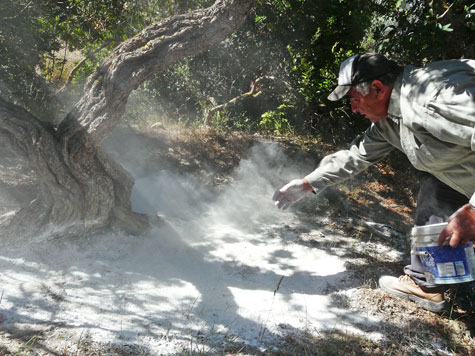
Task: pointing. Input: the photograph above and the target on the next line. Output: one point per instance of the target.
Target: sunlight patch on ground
(210, 272)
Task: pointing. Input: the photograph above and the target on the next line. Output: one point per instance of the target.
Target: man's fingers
(283, 202)
(276, 195)
(286, 205)
(290, 193)
(279, 202)
(449, 233)
(444, 235)
(455, 239)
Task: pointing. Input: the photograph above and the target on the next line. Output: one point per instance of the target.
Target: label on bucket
(445, 264)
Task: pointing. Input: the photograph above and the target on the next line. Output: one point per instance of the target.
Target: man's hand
(461, 227)
(291, 193)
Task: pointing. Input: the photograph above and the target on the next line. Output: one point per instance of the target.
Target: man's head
(368, 80)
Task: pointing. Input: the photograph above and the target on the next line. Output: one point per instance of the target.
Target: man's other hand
(461, 227)
(291, 193)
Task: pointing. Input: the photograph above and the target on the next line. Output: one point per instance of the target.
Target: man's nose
(354, 106)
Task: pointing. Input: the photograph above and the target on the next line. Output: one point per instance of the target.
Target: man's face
(372, 106)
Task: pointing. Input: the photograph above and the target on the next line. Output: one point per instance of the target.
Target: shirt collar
(394, 107)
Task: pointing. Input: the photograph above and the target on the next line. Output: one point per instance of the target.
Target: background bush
(292, 48)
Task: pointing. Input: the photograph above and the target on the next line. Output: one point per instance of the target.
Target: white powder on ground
(208, 276)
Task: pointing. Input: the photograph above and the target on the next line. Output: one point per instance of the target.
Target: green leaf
(259, 18)
(447, 28)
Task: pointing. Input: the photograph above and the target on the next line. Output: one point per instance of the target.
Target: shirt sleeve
(364, 151)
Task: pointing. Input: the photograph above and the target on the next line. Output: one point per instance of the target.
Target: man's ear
(379, 88)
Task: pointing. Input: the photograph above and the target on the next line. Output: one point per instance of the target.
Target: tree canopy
(297, 43)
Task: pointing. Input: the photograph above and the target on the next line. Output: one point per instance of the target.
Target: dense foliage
(418, 32)
(279, 68)
(37, 38)
(300, 44)
(33, 38)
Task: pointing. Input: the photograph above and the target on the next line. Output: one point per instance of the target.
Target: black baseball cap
(360, 68)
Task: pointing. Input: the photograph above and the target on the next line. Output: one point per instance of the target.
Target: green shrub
(275, 121)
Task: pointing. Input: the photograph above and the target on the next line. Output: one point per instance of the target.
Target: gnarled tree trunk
(58, 182)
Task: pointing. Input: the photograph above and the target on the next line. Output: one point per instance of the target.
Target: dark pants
(436, 201)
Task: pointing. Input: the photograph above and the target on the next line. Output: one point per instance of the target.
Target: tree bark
(70, 186)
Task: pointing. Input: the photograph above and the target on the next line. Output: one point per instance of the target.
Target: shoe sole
(435, 307)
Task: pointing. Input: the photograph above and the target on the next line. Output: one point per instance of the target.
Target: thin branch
(446, 11)
(255, 91)
(64, 62)
(254, 87)
(19, 12)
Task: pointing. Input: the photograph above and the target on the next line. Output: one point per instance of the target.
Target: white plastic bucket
(442, 264)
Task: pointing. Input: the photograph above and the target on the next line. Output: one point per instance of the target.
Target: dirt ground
(384, 195)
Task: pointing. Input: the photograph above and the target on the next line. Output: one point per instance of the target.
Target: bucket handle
(415, 251)
(420, 253)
